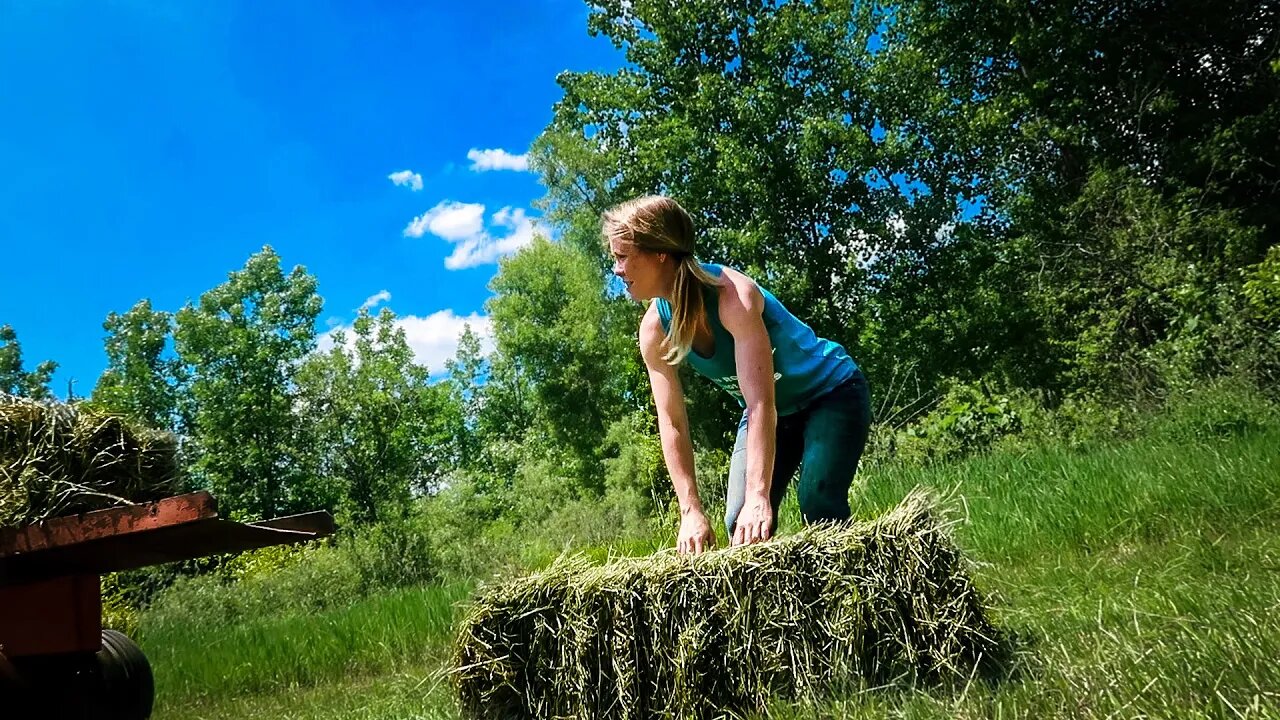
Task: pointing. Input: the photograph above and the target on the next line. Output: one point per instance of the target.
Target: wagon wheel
(127, 686)
(113, 684)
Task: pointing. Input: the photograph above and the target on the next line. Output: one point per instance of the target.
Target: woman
(805, 402)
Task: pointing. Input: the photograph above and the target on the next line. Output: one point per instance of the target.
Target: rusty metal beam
(113, 522)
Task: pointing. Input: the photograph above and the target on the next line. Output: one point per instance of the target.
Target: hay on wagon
(58, 459)
(676, 637)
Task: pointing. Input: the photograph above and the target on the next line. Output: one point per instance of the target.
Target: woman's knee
(824, 501)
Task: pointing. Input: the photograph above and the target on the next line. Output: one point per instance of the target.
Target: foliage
(14, 378)
(280, 582)
(968, 419)
(378, 430)
(568, 350)
(806, 162)
(1263, 288)
(243, 342)
(141, 381)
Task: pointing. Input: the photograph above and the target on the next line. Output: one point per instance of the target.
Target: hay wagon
(56, 659)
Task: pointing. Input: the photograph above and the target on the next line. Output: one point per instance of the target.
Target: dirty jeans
(825, 440)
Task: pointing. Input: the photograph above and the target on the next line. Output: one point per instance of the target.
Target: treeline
(1074, 202)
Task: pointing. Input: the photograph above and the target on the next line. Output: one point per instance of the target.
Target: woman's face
(643, 272)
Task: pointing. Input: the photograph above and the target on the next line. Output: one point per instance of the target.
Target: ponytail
(688, 309)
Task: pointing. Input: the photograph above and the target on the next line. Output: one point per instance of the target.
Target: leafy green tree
(565, 364)
(381, 430)
(467, 370)
(839, 174)
(140, 381)
(1137, 147)
(14, 379)
(243, 343)
(1179, 92)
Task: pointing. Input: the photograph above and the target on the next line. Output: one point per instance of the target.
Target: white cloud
(450, 220)
(484, 248)
(407, 177)
(433, 338)
(497, 159)
(463, 225)
(375, 300)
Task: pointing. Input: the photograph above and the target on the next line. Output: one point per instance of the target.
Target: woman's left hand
(755, 522)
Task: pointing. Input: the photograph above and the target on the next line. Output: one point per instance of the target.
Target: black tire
(127, 685)
(113, 684)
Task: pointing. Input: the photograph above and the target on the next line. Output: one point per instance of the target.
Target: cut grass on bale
(58, 459)
(668, 636)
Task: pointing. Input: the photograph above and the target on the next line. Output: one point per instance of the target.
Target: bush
(1262, 288)
(393, 554)
(1217, 409)
(296, 580)
(319, 578)
(969, 419)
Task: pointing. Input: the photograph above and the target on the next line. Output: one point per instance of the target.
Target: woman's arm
(673, 427)
(742, 313)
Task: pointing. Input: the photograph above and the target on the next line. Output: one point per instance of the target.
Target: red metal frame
(50, 595)
(62, 615)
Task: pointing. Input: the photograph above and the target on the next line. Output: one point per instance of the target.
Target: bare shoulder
(740, 298)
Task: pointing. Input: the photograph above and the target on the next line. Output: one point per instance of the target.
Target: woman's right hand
(695, 534)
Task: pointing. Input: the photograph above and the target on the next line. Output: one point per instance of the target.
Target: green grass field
(1138, 580)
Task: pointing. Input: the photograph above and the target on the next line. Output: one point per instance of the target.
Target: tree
(381, 431)
(467, 370)
(831, 170)
(140, 381)
(566, 359)
(1138, 143)
(243, 343)
(14, 379)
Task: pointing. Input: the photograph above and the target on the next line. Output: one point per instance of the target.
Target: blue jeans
(825, 440)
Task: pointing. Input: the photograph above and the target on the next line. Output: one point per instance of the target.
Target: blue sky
(149, 148)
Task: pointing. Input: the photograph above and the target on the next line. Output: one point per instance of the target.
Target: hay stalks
(674, 637)
(58, 459)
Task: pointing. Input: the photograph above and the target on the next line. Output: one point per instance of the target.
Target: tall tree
(1138, 143)
(381, 431)
(141, 381)
(14, 378)
(565, 350)
(807, 160)
(467, 371)
(243, 343)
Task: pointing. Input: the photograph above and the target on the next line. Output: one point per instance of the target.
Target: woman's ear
(662, 257)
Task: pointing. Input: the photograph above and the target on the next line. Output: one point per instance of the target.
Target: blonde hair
(658, 224)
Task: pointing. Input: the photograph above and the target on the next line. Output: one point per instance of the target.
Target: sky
(148, 149)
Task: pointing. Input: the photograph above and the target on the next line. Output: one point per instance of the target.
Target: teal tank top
(805, 366)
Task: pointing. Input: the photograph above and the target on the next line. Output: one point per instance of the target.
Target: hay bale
(676, 637)
(58, 459)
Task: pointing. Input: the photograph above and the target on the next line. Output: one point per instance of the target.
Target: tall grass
(1142, 580)
(1056, 500)
(375, 635)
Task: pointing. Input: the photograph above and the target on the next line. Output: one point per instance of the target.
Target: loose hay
(58, 459)
(673, 637)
